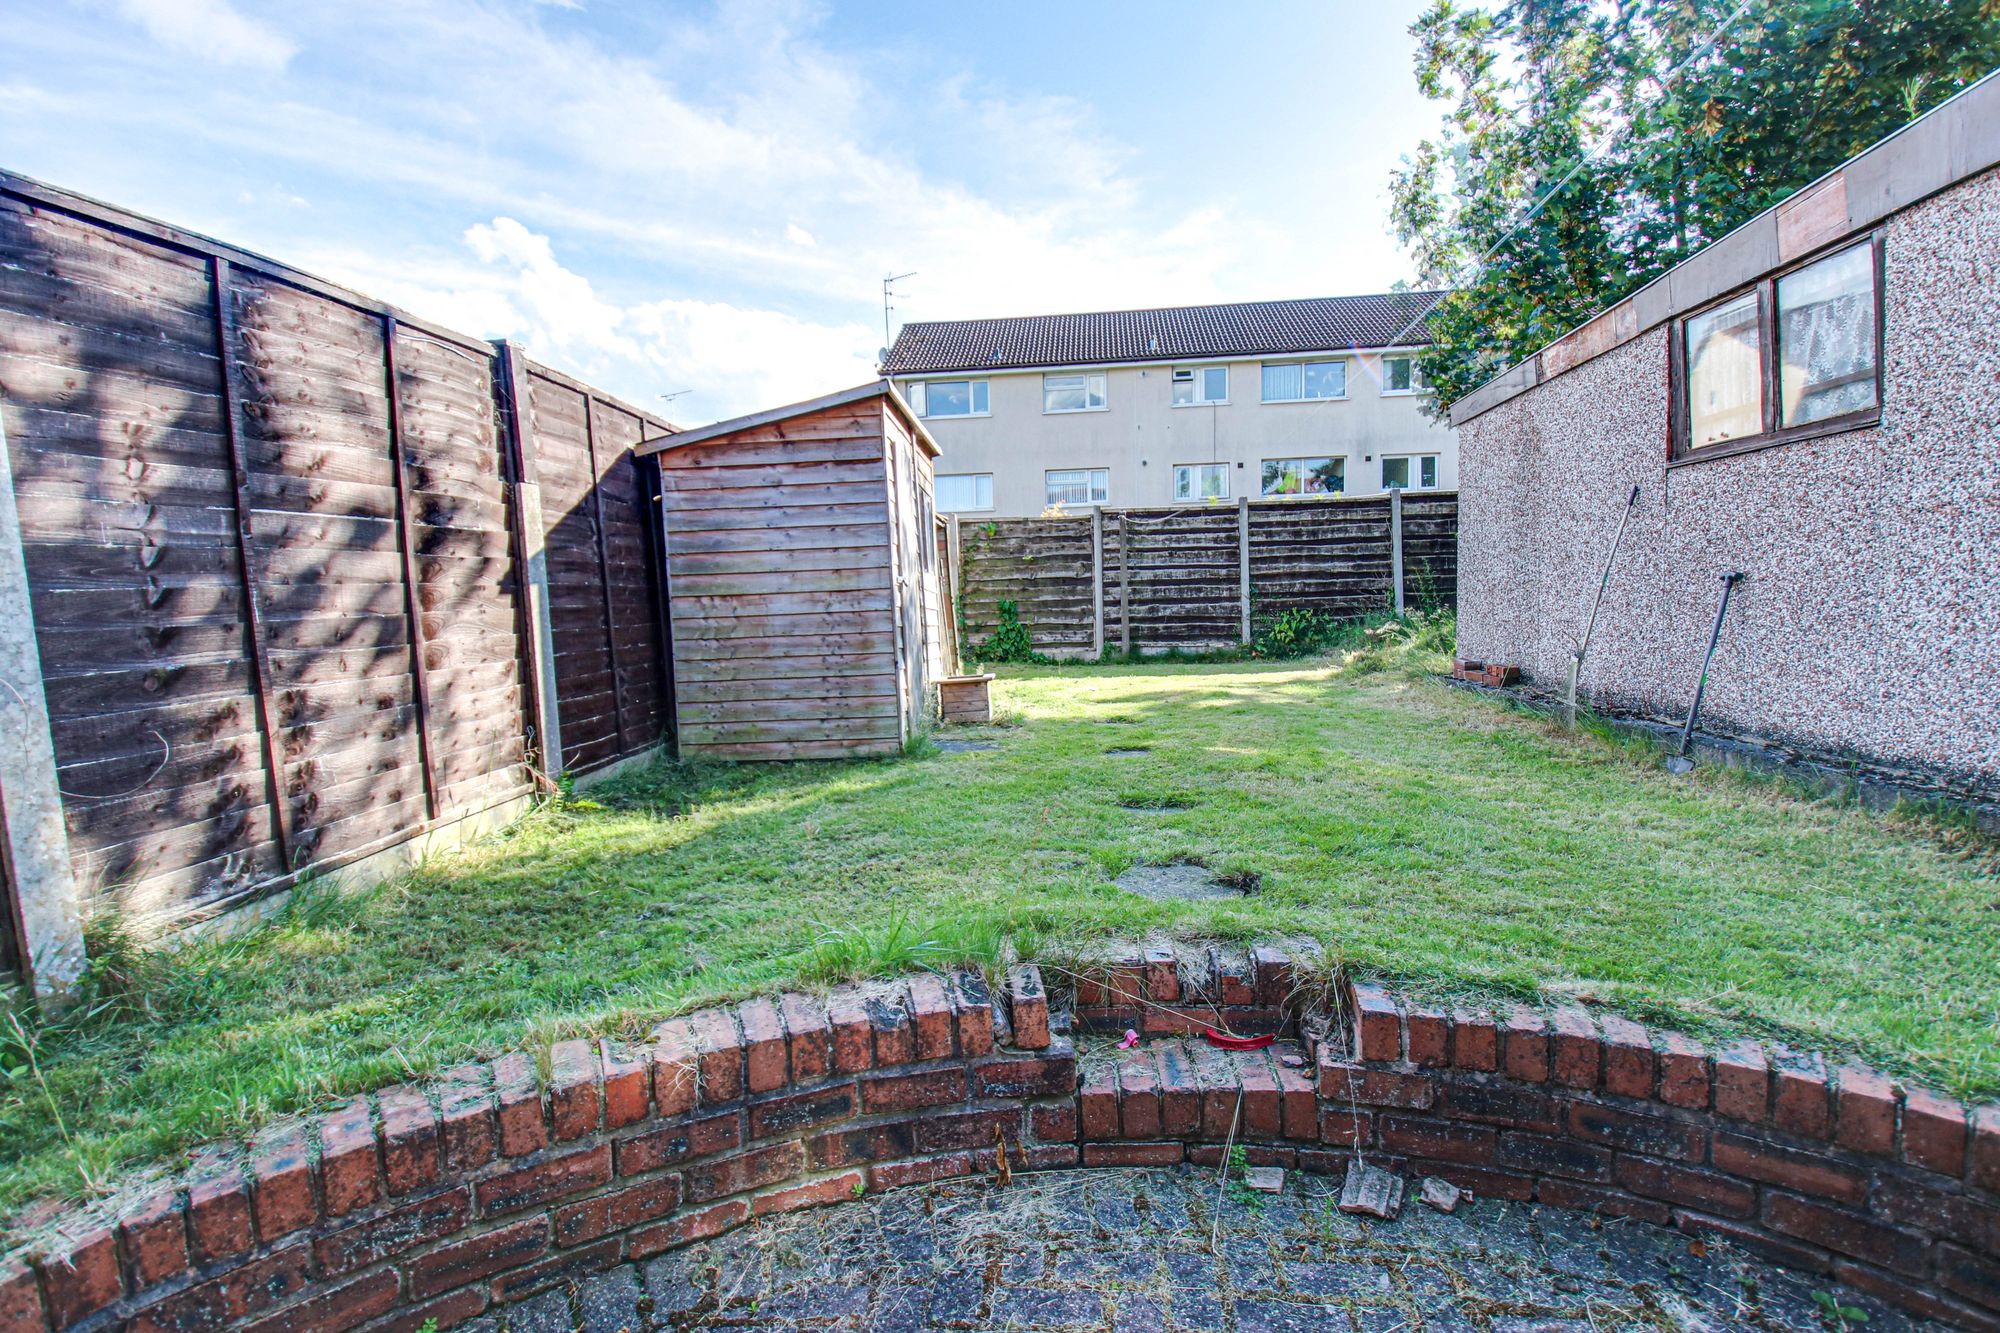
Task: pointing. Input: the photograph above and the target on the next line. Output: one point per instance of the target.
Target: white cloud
(707, 203)
(509, 283)
(745, 359)
(557, 305)
(212, 30)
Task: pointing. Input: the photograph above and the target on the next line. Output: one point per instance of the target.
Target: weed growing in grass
(1011, 641)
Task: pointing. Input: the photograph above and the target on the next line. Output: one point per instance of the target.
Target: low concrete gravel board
(1128, 1252)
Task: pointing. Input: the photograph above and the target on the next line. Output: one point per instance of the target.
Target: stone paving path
(1128, 1251)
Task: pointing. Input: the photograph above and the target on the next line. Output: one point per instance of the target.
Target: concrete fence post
(538, 640)
(954, 565)
(48, 913)
(1097, 580)
(1124, 587)
(1243, 561)
(1396, 544)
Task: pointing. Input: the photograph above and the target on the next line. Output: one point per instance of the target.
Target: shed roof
(1314, 324)
(859, 393)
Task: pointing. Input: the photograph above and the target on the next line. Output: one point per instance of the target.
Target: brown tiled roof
(1174, 333)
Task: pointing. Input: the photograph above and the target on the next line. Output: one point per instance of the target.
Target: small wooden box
(966, 698)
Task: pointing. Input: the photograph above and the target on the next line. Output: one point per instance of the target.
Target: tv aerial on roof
(889, 281)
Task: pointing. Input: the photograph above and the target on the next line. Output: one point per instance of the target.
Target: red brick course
(494, 1183)
(154, 1235)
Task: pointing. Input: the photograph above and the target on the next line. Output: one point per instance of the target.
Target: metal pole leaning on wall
(48, 914)
(1678, 761)
(1243, 562)
(1396, 544)
(1097, 581)
(538, 644)
(1590, 626)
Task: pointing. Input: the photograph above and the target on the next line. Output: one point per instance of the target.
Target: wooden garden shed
(805, 588)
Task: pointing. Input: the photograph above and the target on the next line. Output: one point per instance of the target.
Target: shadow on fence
(273, 534)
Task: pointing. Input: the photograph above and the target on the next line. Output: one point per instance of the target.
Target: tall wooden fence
(278, 538)
(1202, 577)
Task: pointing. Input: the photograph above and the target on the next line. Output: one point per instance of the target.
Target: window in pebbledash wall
(1826, 338)
(1725, 373)
(1797, 356)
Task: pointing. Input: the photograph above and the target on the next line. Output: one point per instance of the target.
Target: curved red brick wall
(495, 1182)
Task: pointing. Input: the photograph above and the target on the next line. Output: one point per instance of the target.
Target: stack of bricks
(1158, 992)
(493, 1183)
(1491, 674)
(1172, 1100)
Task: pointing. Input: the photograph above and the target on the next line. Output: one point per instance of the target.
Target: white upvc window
(949, 398)
(1079, 486)
(1304, 381)
(1197, 385)
(1074, 393)
(1201, 481)
(1400, 375)
(1305, 476)
(1414, 472)
(957, 493)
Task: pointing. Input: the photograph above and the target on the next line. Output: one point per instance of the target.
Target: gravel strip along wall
(500, 1180)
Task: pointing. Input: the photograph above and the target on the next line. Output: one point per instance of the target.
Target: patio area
(1130, 1251)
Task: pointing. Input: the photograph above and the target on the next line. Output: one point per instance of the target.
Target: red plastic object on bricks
(1229, 1043)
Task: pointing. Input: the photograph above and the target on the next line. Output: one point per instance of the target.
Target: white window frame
(919, 397)
(1417, 385)
(1197, 379)
(1416, 462)
(1096, 384)
(937, 485)
(1190, 469)
(1099, 494)
(1305, 363)
(1301, 460)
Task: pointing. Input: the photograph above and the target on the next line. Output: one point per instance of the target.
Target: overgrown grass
(1412, 830)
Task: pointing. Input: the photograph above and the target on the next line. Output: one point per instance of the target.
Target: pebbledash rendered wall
(1868, 626)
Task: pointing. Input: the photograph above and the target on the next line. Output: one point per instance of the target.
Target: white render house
(1181, 405)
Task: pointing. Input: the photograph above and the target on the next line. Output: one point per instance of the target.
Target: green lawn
(1412, 830)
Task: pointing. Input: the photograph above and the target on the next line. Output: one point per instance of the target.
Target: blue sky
(706, 197)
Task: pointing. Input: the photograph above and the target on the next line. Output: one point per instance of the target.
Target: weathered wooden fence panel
(268, 527)
(602, 592)
(1430, 549)
(1040, 565)
(456, 501)
(1175, 578)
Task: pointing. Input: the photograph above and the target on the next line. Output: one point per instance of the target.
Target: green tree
(1590, 145)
